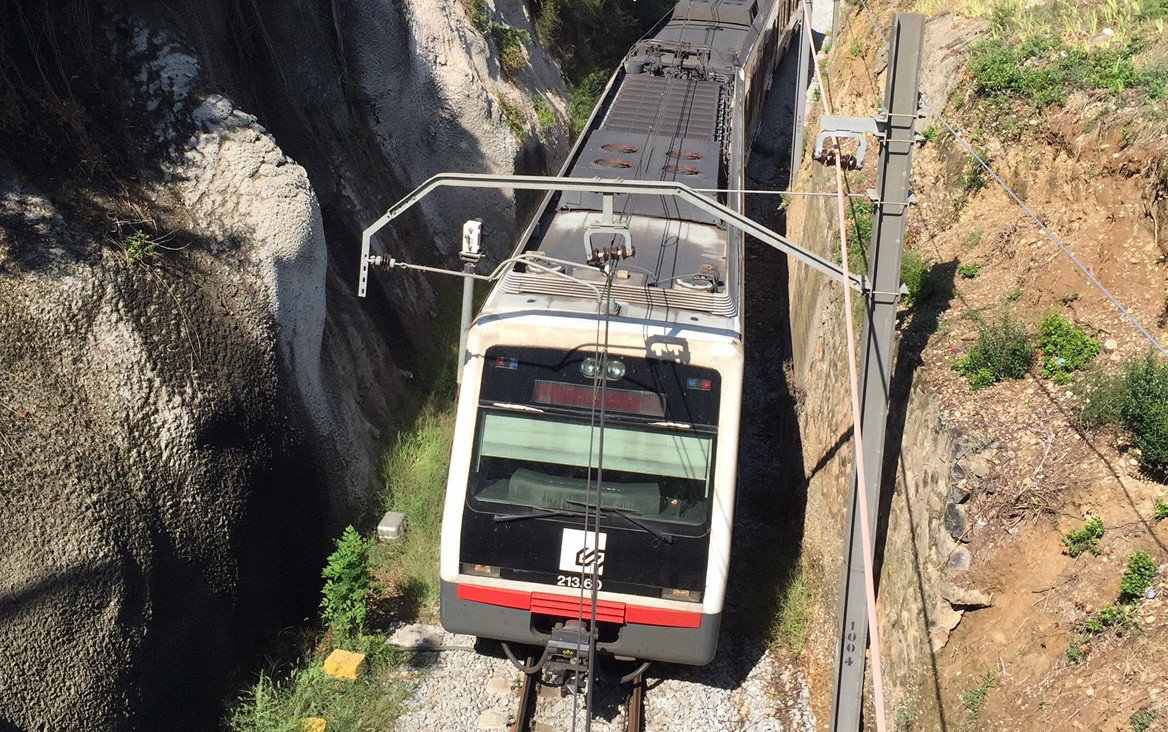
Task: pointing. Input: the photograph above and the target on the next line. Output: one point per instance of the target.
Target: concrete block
(392, 526)
(313, 724)
(343, 664)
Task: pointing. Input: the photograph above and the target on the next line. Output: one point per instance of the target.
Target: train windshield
(537, 461)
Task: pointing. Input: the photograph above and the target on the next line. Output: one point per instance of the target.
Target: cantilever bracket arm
(597, 185)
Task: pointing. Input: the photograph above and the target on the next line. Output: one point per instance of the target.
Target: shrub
(348, 582)
(1142, 719)
(969, 271)
(1109, 617)
(510, 41)
(918, 278)
(544, 112)
(1003, 351)
(514, 117)
(973, 238)
(585, 95)
(1161, 509)
(1137, 398)
(929, 134)
(1141, 570)
(1065, 348)
(1085, 539)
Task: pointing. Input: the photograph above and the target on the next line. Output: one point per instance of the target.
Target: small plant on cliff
(1109, 617)
(514, 117)
(1085, 539)
(544, 112)
(1160, 510)
(1003, 351)
(345, 608)
(139, 245)
(917, 274)
(1142, 719)
(510, 41)
(1065, 348)
(974, 699)
(1141, 570)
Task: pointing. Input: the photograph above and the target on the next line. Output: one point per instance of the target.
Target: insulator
(611, 253)
(847, 160)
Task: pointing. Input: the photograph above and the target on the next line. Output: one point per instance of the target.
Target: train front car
(597, 431)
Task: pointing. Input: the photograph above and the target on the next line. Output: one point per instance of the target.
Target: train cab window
(539, 462)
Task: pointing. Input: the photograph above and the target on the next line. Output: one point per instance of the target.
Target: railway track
(524, 720)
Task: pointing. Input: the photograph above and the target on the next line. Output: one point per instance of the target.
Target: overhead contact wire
(853, 384)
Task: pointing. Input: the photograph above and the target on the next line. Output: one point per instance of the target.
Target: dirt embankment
(191, 398)
(980, 604)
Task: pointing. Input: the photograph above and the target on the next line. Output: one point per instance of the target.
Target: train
(591, 486)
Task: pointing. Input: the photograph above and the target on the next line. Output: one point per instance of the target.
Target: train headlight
(681, 595)
(613, 370)
(480, 570)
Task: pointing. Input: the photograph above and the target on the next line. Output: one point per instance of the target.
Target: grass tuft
(1003, 351)
(1085, 539)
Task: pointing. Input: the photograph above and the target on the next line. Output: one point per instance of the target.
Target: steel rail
(525, 714)
(603, 187)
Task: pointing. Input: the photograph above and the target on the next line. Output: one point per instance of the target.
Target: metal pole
(464, 327)
(901, 101)
(800, 95)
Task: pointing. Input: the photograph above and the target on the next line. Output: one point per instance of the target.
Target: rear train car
(572, 369)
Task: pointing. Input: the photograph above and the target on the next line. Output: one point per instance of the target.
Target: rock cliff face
(192, 400)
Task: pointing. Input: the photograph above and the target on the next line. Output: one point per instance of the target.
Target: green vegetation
(789, 628)
(929, 134)
(1065, 348)
(510, 41)
(974, 699)
(544, 112)
(917, 274)
(969, 271)
(1042, 70)
(585, 95)
(278, 702)
(1076, 653)
(479, 14)
(1003, 351)
(139, 246)
(1013, 296)
(1160, 511)
(973, 177)
(344, 607)
(1136, 398)
(1141, 570)
(1085, 539)
(972, 239)
(514, 117)
(859, 215)
(415, 485)
(1142, 719)
(1110, 617)
(855, 50)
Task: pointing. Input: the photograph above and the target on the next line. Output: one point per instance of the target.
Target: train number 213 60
(574, 580)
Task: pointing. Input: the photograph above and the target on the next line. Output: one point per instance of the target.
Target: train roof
(666, 119)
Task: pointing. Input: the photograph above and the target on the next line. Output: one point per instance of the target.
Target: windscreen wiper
(627, 514)
(542, 513)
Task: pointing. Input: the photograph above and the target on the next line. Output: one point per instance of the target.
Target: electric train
(592, 478)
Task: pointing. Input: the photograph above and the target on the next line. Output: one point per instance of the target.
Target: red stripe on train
(565, 606)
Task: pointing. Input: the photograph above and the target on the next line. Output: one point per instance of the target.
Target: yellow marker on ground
(344, 664)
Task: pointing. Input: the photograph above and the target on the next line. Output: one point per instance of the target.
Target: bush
(1117, 617)
(510, 41)
(1161, 509)
(1085, 539)
(1003, 351)
(917, 274)
(1141, 570)
(1065, 348)
(344, 607)
(969, 271)
(585, 95)
(544, 112)
(1137, 398)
